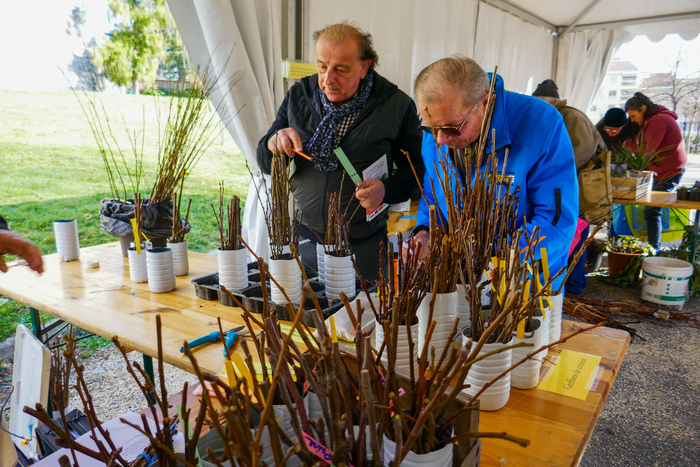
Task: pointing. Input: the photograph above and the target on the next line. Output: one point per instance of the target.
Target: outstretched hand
(13, 244)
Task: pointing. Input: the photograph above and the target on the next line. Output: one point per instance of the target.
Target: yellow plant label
(571, 375)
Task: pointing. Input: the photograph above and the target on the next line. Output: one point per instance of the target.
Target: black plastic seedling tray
(207, 288)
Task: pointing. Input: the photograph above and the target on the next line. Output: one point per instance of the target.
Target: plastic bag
(157, 219)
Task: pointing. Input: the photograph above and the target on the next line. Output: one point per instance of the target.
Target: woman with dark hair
(659, 132)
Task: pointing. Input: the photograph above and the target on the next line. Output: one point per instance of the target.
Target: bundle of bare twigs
(228, 221)
(593, 310)
(283, 229)
(190, 128)
(107, 451)
(138, 207)
(337, 234)
(180, 225)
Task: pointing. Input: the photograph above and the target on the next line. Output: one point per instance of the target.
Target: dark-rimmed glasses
(452, 131)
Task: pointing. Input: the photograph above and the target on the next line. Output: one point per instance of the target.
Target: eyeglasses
(453, 131)
(611, 130)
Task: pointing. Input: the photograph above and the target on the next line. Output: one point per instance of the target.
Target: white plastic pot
(441, 457)
(527, 375)
(181, 263)
(463, 307)
(486, 370)
(444, 314)
(67, 242)
(403, 357)
(555, 317)
(233, 268)
(340, 277)
(161, 275)
(138, 269)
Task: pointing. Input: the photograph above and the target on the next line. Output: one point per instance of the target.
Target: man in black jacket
(347, 105)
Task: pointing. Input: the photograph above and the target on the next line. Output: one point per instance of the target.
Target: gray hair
(338, 33)
(457, 73)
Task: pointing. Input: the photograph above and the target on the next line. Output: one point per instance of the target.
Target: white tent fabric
(584, 59)
(240, 41)
(407, 35)
(499, 40)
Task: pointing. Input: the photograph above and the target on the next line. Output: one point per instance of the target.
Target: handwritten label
(307, 385)
(571, 375)
(316, 448)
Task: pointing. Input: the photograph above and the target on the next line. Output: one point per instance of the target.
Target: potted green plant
(630, 179)
(621, 251)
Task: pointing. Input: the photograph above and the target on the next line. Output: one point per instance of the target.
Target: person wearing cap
(452, 94)
(585, 138)
(347, 104)
(616, 130)
(586, 142)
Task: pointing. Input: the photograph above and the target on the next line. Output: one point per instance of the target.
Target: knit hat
(615, 118)
(547, 88)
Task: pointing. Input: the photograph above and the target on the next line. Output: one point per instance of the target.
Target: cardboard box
(632, 187)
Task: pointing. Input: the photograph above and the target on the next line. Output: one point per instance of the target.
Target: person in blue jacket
(451, 94)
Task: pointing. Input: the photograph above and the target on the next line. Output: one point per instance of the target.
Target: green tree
(137, 45)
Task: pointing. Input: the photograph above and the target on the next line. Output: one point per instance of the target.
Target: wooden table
(557, 426)
(402, 222)
(101, 301)
(87, 298)
(662, 199)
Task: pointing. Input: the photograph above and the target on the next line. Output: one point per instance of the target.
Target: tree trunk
(135, 86)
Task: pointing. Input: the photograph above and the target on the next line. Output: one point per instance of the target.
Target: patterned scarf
(325, 138)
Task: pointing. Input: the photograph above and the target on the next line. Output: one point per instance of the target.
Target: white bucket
(665, 280)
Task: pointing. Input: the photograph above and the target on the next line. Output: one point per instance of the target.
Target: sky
(659, 57)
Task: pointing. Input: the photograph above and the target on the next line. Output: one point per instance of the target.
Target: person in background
(584, 137)
(615, 130)
(14, 244)
(347, 105)
(452, 94)
(659, 133)
(586, 142)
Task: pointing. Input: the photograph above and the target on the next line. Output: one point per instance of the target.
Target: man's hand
(283, 141)
(419, 243)
(370, 193)
(12, 243)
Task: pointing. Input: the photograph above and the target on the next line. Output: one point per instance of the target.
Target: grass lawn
(51, 169)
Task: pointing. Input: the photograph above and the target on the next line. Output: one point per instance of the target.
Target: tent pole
(555, 58)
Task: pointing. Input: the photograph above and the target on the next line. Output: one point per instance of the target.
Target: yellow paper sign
(257, 366)
(572, 375)
(137, 241)
(296, 337)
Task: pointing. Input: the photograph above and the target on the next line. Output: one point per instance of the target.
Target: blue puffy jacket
(541, 162)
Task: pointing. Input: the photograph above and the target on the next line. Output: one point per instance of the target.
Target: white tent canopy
(571, 41)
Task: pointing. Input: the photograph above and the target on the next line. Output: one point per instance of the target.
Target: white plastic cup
(67, 241)
(444, 314)
(181, 263)
(161, 274)
(484, 371)
(555, 317)
(527, 374)
(233, 268)
(138, 269)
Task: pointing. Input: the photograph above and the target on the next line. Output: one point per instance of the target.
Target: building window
(612, 93)
(594, 108)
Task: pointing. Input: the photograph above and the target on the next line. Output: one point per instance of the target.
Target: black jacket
(387, 124)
